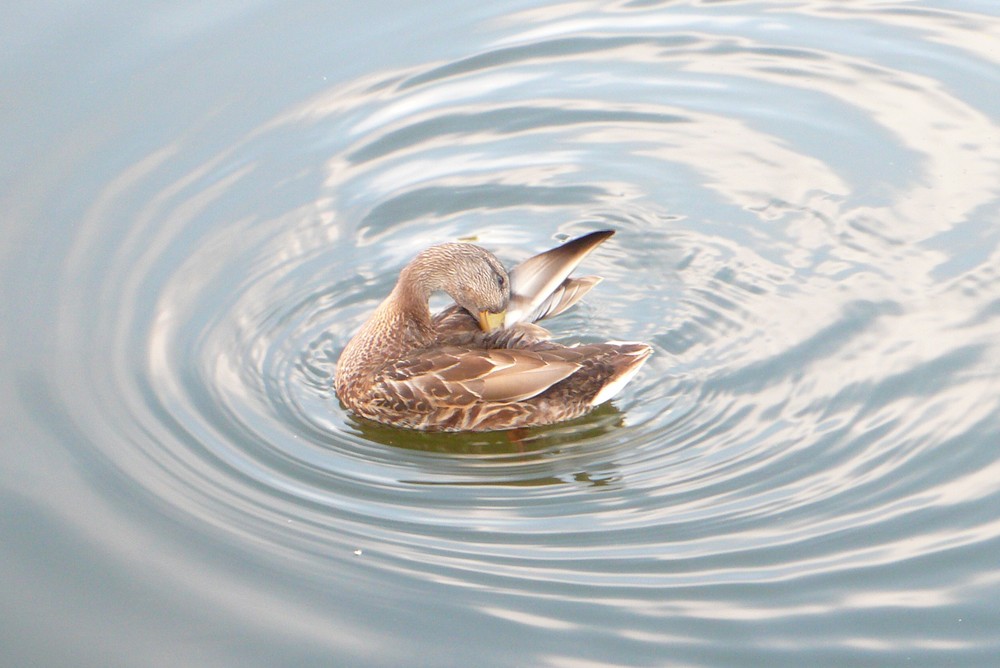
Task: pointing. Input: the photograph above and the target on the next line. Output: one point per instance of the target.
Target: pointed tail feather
(639, 353)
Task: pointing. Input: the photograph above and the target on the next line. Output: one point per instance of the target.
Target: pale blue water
(201, 203)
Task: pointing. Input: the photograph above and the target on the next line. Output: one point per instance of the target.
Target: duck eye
(500, 281)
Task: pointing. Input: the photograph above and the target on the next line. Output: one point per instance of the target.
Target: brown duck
(481, 364)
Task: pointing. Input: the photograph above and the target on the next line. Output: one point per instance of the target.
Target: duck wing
(540, 286)
(569, 292)
(459, 377)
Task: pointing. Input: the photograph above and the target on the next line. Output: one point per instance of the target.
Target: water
(202, 204)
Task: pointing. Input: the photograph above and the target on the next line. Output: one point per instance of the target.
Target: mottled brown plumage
(461, 370)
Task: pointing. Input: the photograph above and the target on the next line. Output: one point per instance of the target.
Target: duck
(481, 364)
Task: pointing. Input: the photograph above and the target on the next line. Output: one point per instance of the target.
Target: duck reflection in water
(516, 458)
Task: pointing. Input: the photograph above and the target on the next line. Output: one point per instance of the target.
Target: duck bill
(489, 321)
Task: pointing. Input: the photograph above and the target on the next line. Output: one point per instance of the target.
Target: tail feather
(633, 356)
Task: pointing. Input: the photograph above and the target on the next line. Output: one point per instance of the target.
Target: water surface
(201, 205)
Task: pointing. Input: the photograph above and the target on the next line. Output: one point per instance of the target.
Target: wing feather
(533, 281)
(454, 377)
(568, 293)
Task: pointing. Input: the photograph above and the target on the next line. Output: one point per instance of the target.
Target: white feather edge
(615, 386)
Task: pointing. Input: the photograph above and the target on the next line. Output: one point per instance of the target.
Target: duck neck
(409, 303)
(417, 282)
(401, 322)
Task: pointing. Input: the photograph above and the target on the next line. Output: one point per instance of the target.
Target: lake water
(202, 202)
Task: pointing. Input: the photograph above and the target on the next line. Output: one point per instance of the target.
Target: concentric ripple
(806, 235)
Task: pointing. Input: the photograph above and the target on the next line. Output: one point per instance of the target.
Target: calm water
(202, 202)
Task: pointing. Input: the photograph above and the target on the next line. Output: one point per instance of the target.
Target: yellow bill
(489, 321)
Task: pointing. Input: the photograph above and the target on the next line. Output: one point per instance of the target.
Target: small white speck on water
(358, 553)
